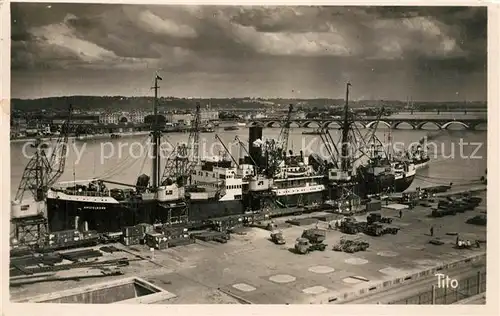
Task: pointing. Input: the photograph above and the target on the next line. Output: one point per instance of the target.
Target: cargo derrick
(276, 151)
(341, 176)
(250, 158)
(40, 174)
(371, 147)
(181, 162)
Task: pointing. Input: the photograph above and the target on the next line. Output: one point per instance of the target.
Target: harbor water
(457, 156)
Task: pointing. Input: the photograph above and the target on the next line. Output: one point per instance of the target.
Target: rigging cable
(119, 166)
(129, 166)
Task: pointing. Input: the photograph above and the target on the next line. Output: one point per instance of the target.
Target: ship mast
(345, 133)
(156, 135)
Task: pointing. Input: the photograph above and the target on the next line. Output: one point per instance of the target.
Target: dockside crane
(276, 150)
(184, 158)
(41, 173)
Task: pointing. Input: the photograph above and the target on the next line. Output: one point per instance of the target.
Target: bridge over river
(417, 120)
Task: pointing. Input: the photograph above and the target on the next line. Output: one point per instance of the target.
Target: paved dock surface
(250, 268)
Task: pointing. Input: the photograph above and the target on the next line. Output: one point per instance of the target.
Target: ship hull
(105, 217)
(256, 201)
(208, 209)
(299, 199)
(404, 183)
(102, 217)
(370, 185)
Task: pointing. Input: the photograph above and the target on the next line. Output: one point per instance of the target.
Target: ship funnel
(254, 139)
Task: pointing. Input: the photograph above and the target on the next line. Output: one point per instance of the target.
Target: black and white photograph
(248, 154)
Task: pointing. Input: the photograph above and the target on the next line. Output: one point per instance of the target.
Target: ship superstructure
(417, 154)
(275, 176)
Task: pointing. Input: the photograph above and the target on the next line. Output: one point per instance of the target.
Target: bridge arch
(396, 124)
(273, 124)
(447, 124)
(421, 124)
(372, 124)
(292, 124)
(331, 124)
(311, 124)
(259, 124)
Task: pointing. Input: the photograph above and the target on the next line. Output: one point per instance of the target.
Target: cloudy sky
(425, 53)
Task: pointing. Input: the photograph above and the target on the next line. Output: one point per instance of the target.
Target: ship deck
(252, 269)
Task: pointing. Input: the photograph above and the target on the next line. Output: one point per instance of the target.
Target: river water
(123, 160)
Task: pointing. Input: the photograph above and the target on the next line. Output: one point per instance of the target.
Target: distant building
(109, 118)
(183, 119)
(207, 114)
(18, 125)
(134, 117)
(76, 119)
(137, 117)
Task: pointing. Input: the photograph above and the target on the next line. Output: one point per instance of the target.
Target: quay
(250, 269)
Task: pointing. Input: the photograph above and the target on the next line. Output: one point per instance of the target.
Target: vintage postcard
(214, 154)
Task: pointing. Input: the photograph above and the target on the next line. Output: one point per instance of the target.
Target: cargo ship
(385, 173)
(216, 190)
(292, 183)
(161, 200)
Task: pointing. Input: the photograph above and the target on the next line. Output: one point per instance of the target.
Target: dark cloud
(229, 40)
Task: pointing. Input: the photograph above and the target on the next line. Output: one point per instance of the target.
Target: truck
(302, 246)
(277, 238)
(311, 240)
(350, 225)
(377, 217)
(314, 235)
(377, 229)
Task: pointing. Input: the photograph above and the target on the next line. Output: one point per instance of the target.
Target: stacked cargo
(156, 240)
(63, 237)
(111, 237)
(132, 235)
(177, 236)
(226, 223)
(90, 234)
(72, 238)
(145, 228)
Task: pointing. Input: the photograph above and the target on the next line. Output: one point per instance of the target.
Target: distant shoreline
(84, 137)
